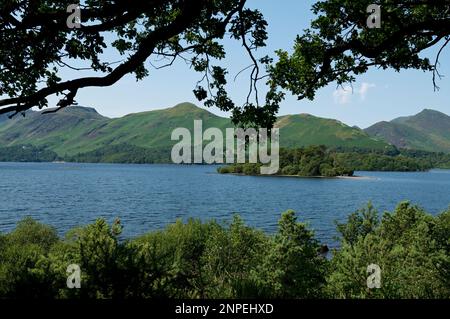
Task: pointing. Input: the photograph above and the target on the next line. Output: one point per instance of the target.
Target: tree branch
(188, 14)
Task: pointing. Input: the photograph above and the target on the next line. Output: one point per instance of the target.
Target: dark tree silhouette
(340, 45)
(36, 44)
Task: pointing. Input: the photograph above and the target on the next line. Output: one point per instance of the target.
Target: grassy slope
(61, 132)
(304, 130)
(154, 128)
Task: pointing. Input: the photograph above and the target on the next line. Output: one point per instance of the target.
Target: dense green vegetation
(411, 247)
(212, 260)
(377, 162)
(308, 162)
(390, 160)
(26, 153)
(435, 160)
(320, 161)
(123, 153)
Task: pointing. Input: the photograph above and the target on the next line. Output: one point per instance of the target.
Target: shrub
(211, 260)
(409, 247)
(292, 267)
(21, 253)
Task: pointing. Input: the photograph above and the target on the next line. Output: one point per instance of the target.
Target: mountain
(428, 130)
(80, 130)
(61, 132)
(153, 129)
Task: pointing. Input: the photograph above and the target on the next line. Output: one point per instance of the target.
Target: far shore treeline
(213, 260)
(306, 161)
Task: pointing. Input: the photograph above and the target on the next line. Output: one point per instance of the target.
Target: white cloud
(364, 89)
(343, 95)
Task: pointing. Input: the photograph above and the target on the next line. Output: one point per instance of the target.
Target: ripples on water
(148, 197)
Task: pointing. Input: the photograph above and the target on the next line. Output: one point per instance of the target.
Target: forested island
(314, 161)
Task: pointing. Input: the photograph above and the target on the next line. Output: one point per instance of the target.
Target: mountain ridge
(428, 130)
(77, 130)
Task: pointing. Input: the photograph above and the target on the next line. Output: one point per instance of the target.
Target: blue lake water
(148, 197)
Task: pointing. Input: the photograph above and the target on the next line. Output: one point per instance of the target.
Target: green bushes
(211, 260)
(21, 254)
(292, 267)
(410, 246)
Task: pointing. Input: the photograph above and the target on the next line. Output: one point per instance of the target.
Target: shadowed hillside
(428, 130)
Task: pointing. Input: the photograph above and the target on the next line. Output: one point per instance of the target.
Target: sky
(376, 96)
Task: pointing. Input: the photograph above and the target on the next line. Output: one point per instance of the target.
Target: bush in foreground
(411, 247)
(211, 260)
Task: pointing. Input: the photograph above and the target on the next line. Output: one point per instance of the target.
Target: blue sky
(377, 95)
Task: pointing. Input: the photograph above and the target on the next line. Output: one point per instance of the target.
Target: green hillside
(153, 129)
(305, 130)
(79, 130)
(428, 130)
(60, 132)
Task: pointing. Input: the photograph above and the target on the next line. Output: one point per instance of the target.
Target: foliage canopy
(37, 44)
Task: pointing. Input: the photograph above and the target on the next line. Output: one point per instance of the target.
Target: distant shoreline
(237, 174)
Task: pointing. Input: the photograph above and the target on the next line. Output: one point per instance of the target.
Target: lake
(148, 197)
